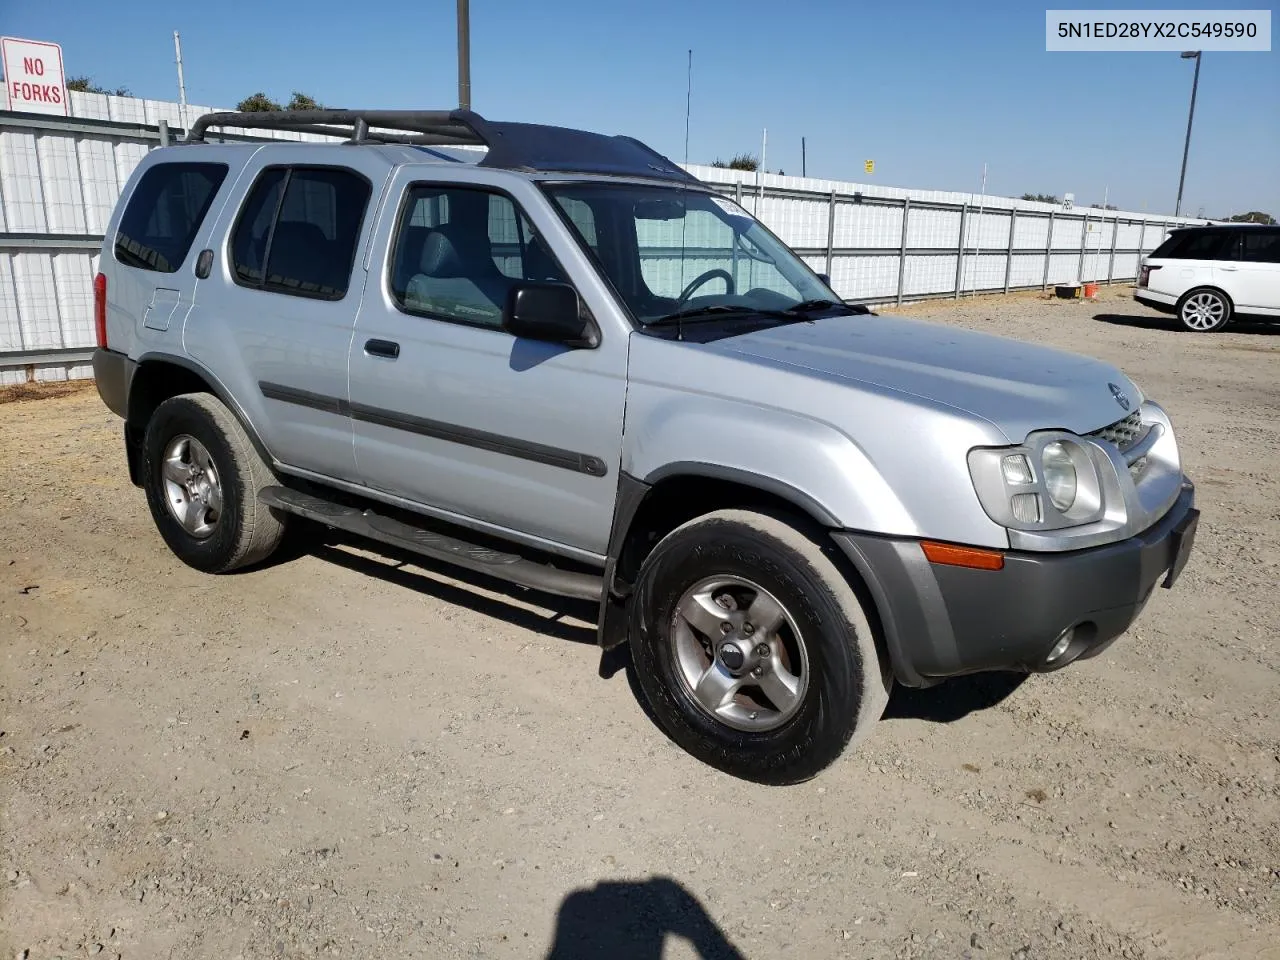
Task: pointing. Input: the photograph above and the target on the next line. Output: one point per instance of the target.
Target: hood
(1018, 387)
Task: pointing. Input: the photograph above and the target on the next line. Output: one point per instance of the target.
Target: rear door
(1189, 259)
(276, 313)
(1256, 283)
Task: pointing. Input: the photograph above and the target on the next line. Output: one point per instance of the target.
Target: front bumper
(942, 621)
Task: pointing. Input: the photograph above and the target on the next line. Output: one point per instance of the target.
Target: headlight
(1059, 475)
(1050, 482)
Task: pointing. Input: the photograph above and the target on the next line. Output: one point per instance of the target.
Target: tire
(216, 524)
(822, 651)
(1204, 310)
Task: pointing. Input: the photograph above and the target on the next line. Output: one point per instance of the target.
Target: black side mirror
(826, 280)
(548, 311)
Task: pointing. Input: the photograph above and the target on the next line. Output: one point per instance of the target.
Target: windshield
(670, 251)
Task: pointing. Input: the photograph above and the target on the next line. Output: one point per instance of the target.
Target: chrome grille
(1122, 433)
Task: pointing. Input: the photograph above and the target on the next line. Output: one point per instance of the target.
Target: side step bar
(495, 563)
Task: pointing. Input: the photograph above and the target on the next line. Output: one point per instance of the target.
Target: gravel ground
(346, 755)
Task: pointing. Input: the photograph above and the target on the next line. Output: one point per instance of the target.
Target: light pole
(1186, 147)
(464, 55)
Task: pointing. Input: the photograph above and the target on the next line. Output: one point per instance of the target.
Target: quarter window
(164, 214)
(298, 230)
(460, 250)
(1197, 245)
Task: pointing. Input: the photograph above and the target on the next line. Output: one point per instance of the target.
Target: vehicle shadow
(414, 572)
(952, 699)
(1170, 323)
(575, 620)
(630, 920)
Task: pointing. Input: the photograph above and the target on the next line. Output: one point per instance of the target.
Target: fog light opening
(1060, 647)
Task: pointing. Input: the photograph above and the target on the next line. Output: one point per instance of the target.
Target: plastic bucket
(1091, 291)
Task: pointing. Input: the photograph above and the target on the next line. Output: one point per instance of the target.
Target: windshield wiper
(715, 309)
(811, 306)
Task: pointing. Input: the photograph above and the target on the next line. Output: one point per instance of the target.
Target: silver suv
(555, 358)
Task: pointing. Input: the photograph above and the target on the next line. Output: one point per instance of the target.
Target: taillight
(100, 308)
(1144, 275)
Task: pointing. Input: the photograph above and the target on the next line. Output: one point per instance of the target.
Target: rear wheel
(1204, 310)
(752, 648)
(202, 475)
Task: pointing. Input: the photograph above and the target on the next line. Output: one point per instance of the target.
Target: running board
(428, 543)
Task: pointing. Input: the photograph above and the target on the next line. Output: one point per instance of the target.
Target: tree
(85, 84)
(261, 103)
(1040, 197)
(301, 101)
(1253, 216)
(257, 103)
(743, 161)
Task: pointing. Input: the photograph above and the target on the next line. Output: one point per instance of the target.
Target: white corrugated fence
(60, 177)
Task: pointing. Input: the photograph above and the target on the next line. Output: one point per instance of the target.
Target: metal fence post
(1084, 241)
(1048, 254)
(831, 230)
(737, 192)
(1142, 237)
(902, 248)
(1111, 261)
(1008, 257)
(964, 216)
(164, 133)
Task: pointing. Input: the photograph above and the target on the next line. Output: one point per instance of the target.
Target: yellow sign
(870, 165)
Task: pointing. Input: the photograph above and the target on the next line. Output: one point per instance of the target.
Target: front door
(453, 413)
(1254, 281)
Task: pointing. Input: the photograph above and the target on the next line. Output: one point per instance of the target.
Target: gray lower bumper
(113, 373)
(941, 621)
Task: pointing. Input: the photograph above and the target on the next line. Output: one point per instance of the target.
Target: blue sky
(931, 91)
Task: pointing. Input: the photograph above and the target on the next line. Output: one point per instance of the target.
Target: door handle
(1229, 269)
(388, 349)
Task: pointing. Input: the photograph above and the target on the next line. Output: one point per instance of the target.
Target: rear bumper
(942, 621)
(113, 374)
(1161, 301)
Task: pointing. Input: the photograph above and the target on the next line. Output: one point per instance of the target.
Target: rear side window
(298, 230)
(164, 214)
(1262, 246)
(1197, 245)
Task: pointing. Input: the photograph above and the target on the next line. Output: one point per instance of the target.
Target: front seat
(461, 286)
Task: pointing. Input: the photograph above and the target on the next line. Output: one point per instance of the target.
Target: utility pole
(804, 167)
(1186, 147)
(464, 55)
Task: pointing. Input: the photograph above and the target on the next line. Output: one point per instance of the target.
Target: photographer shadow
(630, 920)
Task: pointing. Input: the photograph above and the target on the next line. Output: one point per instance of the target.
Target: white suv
(1206, 275)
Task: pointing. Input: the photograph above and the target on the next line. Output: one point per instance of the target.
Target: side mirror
(550, 312)
(826, 280)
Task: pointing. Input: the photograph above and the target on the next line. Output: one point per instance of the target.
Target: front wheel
(1204, 310)
(752, 648)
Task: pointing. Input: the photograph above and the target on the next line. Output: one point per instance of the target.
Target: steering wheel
(702, 278)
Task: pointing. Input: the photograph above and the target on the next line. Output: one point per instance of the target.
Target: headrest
(440, 257)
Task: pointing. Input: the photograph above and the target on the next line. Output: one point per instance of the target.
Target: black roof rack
(513, 146)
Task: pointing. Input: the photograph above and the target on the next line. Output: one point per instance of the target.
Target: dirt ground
(347, 755)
